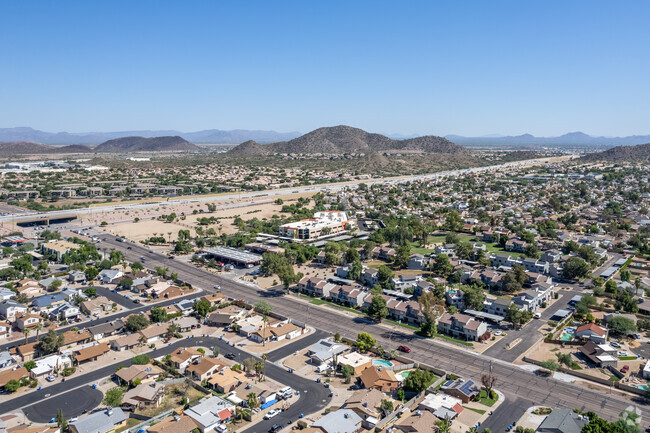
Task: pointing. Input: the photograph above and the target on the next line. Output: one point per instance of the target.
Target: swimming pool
(567, 336)
(405, 374)
(643, 387)
(382, 363)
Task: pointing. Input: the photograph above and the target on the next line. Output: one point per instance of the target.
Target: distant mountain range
(28, 148)
(118, 145)
(209, 136)
(577, 139)
(638, 153)
(345, 139)
(143, 144)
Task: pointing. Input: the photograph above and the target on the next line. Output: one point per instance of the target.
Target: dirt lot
(173, 399)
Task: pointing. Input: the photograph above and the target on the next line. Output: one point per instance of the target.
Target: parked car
(276, 428)
(50, 378)
(230, 355)
(404, 349)
(625, 369)
(538, 315)
(615, 344)
(497, 333)
(621, 353)
(270, 414)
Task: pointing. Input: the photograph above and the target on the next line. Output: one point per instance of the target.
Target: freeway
(313, 396)
(517, 384)
(73, 213)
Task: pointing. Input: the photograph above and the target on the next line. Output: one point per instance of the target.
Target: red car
(404, 349)
(625, 369)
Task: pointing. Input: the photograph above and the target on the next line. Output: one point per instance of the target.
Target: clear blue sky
(429, 67)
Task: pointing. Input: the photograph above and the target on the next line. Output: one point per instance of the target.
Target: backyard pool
(382, 363)
(567, 336)
(643, 387)
(405, 374)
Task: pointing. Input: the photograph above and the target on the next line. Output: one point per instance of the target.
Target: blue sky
(452, 67)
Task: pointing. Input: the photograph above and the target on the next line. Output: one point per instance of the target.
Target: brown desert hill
(249, 148)
(29, 148)
(640, 152)
(153, 144)
(346, 139)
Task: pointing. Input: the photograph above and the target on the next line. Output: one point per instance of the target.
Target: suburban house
(27, 320)
(175, 424)
(202, 368)
(126, 342)
(339, 421)
(417, 262)
(146, 373)
(460, 389)
(154, 332)
(10, 308)
(143, 395)
(103, 421)
(496, 306)
(106, 329)
(593, 332)
(533, 299)
(562, 421)
(211, 412)
(380, 378)
(601, 355)
(91, 353)
(96, 305)
(226, 380)
(357, 361)
(418, 422)
(404, 282)
(370, 277)
(323, 351)
(183, 357)
(461, 326)
(29, 288)
(64, 311)
(106, 276)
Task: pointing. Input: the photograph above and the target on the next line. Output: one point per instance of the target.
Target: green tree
(202, 307)
(61, 421)
(386, 407)
(575, 268)
(431, 310)
(442, 265)
(12, 385)
(550, 364)
(377, 309)
(620, 325)
(140, 360)
(136, 266)
(263, 307)
(55, 285)
(91, 273)
(364, 342)
(51, 342)
(158, 315)
(402, 256)
(249, 364)
(347, 371)
(113, 397)
(418, 380)
(473, 296)
(384, 275)
(136, 322)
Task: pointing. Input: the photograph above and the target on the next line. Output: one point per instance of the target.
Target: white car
(270, 414)
(615, 344)
(497, 333)
(538, 315)
(50, 378)
(621, 353)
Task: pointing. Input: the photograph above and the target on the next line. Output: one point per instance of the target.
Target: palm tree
(26, 332)
(38, 328)
(265, 321)
(251, 400)
(264, 356)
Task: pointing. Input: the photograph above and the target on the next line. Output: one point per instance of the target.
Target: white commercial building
(323, 223)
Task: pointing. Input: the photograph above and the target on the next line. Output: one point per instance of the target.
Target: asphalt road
(73, 403)
(313, 396)
(512, 380)
(529, 333)
(290, 349)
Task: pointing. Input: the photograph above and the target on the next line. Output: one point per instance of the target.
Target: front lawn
(627, 358)
(484, 399)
